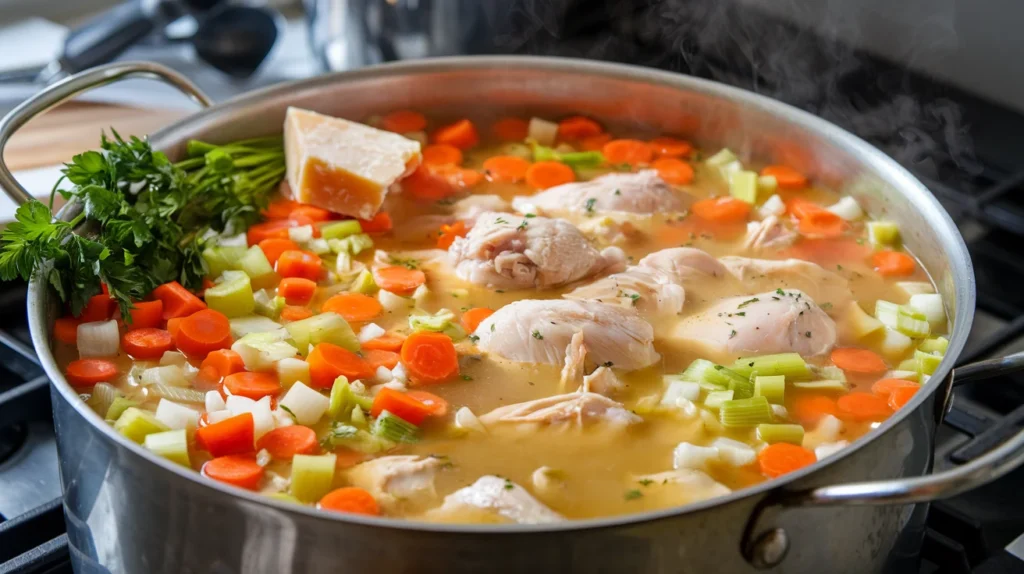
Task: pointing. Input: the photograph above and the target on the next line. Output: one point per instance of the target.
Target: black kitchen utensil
(236, 39)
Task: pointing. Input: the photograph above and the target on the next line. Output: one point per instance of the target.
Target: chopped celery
(172, 445)
(348, 436)
(825, 386)
(177, 394)
(267, 305)
(719, 375)
(340, 229)
(312, 476)
(544, 153)
(257, 267)
(715, 399)
(830, 373)
(582, 158)
(883, 233)
(930, 306)
(767, 184)
(358, 417)
(221, 259)
(117, 407)
(935, 345)
(928, 361)
(908, 375)
(262, 351)
(721, 158)
(747, 412)
(353, 244)
(790, 365)
(771, 387)
(341, 399)
(695, 372)
(284, 497)
(911, 365)
(322, 328)
(773, 433)
(233, 297)
(394, 428)
(902, 318)
(364, 283)
(743, 186)
(441, 322)
(242, 326)
(136, 423)
(102, 396)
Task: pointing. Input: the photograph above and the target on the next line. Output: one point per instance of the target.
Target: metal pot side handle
(766, 548)
(74, 86)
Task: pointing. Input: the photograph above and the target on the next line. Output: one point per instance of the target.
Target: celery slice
(695, 372)
(719, 375)
(136, 423)
(912, 365)
(789, 365)
(773, 433)
(771, 387)
(172, 445)
(767, 184)
(743, 186)
(394, 428)
(262, 351)
(441, 322)
(902, 318)
(177, 394)
(747, 412)
(582, 158)
(927, 361)
(103, 395)
(312, 476)
(825, 386)
(348, 436)
(284, 497)
(883, 233)
(935, 345)
(341, 399)
(908, 375)
(221, 259)
(358, 417)
(233, 297)
(118, 407)
(242, 326)
(340, 229)
(322, 328)
(267, 305)
(353, 244)
(364, 283)
(830, 373)
(724, 156)
(715, 399)
(257, 267)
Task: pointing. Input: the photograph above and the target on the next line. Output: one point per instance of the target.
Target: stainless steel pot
(860, 511)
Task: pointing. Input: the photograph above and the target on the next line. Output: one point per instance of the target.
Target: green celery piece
(220, 259)
(883, 233)
(825, 386)
(695, 372)
(902, 318)
(172, 445)
(232, 297)
(341, 399)
(790, 365)
(358, 417)
(935, 345)
(394, 428)
(322, 328)
(767, 184)
(364, 283)
(723, 157)
(771, 387)
(262, 351)
(268, 306)
(542, 153)
(136, 423)
(312, 476)
(748, 412)
(715, 399)
(341, 229)
(773, 433)
(257, 267)
(582, 158)
(437, 322)
(118, 407)
(743, 186)
(102, 396)
(909, 365)
(721, 376)
(284, 497)
(927, 361)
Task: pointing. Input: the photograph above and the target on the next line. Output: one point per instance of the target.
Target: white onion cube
(307, 405)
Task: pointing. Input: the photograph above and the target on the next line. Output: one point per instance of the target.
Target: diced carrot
(252, 385)
(381, 223)
(862, 407)
(98, 308)
(458, 177)
(296, 313)
(229, 436)
(821, 223)
(174, 325)
(280, 209)
(438, 406)
(786, 177)
(673, 170)
(386, 342)
(429, 358)
(283, 443)
(510, 129)
(595, 143)
(809, 408)
(799, 207)
(885, 387)
(353, 307)
(147, 343)
(448, 233)
(399, 280)
(893, 263)
(146, 314)
(901, 396)
(665, 146)
(350, 500)
(207, 379)
(65, 330)
(304, 264)
(177, 301)
(223, 362)
(506, 168)
(472, 318)
(275, 229)
(296, 290)
(403, 121)
(273, 248)
(400, 405)
(858, 360)
(578, 127)
(327, 362)
(442, 154)
(425, 185)
(378, 358)
(88, 372)
(240, 470)
(626, 151)
(721, 209)
(545, 174)
(782, 458)
(462, 134)
(202, 332)
(306, 214)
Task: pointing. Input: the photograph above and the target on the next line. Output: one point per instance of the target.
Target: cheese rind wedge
(342, 166)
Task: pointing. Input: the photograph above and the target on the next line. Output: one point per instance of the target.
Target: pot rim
(954, 249)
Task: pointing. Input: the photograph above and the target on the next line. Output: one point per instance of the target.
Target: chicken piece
(581, 408)
(643, 192)
(602, 381)
(765, 323)
(539, 331)
(393, 480)
(495, 496)
(575, 359)
(769, 233)
(678, 487)
(472, 207)
(513, 252)
(685, 265)
(410, 225)
(817, 283)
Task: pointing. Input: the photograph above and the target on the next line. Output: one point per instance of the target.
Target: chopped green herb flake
(747, 302)
(474, 338)
(530, 215)
(633, 494)
(608, 364)
(501, 220)
(590, 205)
(509, 485)
(287, 410)
(779, 291)
(645, 482)
(807, 334)
(467, 378)
(732, 333)
(537, 335)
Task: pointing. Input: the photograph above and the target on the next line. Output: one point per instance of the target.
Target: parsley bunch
(143, 218)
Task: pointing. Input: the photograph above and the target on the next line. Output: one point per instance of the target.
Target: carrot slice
(327, 362)
(673, 170)
(457, 177)
(425, 185)
(147, 343)
(65, 330)
(273, 248)
(786, 177)
(177, 301)
(862, 407)
(665, 146)
(448, 233)
(506, 168)
(98, 308)
(809, 408)
(280, 209)
(400, 405)
(378, 358)
(901, 396)
(472, 318)
(353, 307)
(347, 458)
(885, 387)
(578, 127)
(893, 263)
(380, 223)
(305, 264)
(146, 314)
(782, 457)
(229, 436)
(403, 121)
(386, 342)
(821, 223)
(510, 129)
(223, 362)
(595, 143)
(545, 174)
(626, 151)
(88, 372)
(306, 214)
(438, 406)
(240, 470)
(252, 385)
(295, 313)
(283, 443)
(351, 500)
(296, 290)
(721, 209)
(173, 326)
(429, 358)
(275, 229)
(203, 332)
(858, 360)
(442, 154)
(399, 280)
(462, 134)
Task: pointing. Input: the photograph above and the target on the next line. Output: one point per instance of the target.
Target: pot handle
(766, 548)
(73, 86)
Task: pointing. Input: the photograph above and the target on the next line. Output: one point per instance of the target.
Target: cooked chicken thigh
(579, 408)
(817, 283)
(394, 479)
(643, 192)
(769, 233)
(497, 496)
(677, 487)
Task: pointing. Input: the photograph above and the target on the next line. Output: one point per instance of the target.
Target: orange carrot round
(177, 301)
(429, 358)
(510, 129)
(239, 470)
(809, 408)
(506, 168)
(448, 234)
(425, 185)
(782, 458)
(442, 154)
(399, 280)
(295, 313)
(403, 121)
(380, 223)
(721, 209)
(327, 362)
(351, 500)
(786, 177)
(858, 360)
(472, 318)
(202, 332)
(296, 290)
(893, 263)
(626, 151)
(280, 209)
(277, 228)
(672, 170)
(306, 214)
(354, 307)
(88, 372)
(595, 143)
(223, 362)
(283, 443)
(578, 127)
(379, 358)
(885, 387)
(822, 223)
(438, 406)
(862, 407)
(399, 404)
(252, 385)
(901, 396)
(65, 330)
(386, 342)
(147, 343)
(462, 134)
(146, 314)
(305, 264)
(665, 146)
(273, 248)
(229, 436)
(545, 174)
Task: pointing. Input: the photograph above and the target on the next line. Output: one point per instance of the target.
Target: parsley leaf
(537, 335)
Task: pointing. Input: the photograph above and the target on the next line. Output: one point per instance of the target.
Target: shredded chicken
(499, 496)
(579, 408)
(396, 479)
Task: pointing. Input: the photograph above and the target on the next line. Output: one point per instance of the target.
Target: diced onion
(301, 233)
(262, 418)
(173, 358)
(357, 387)
(679, 389)
(420, 293)
(829, 448)
(465, 419)
(291, 370)
(847, 208)
(695, 457)
(263, 457)
(542, 131)
(929, 305)
(306, 404)
(318, 245)
(915, 287)
(176, 416)
(394, 303)
(371, 332)
(214, 401)
(214, 417)
(828, 429)
(383, 374)
(390, 384)
(170, 375)
(894, 343)
(779, 411)
(282, 418)
(98, 339)
(734, 452)
(772, 206)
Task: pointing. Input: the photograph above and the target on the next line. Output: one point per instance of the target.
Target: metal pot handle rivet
(769, 549)
(74, 86)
